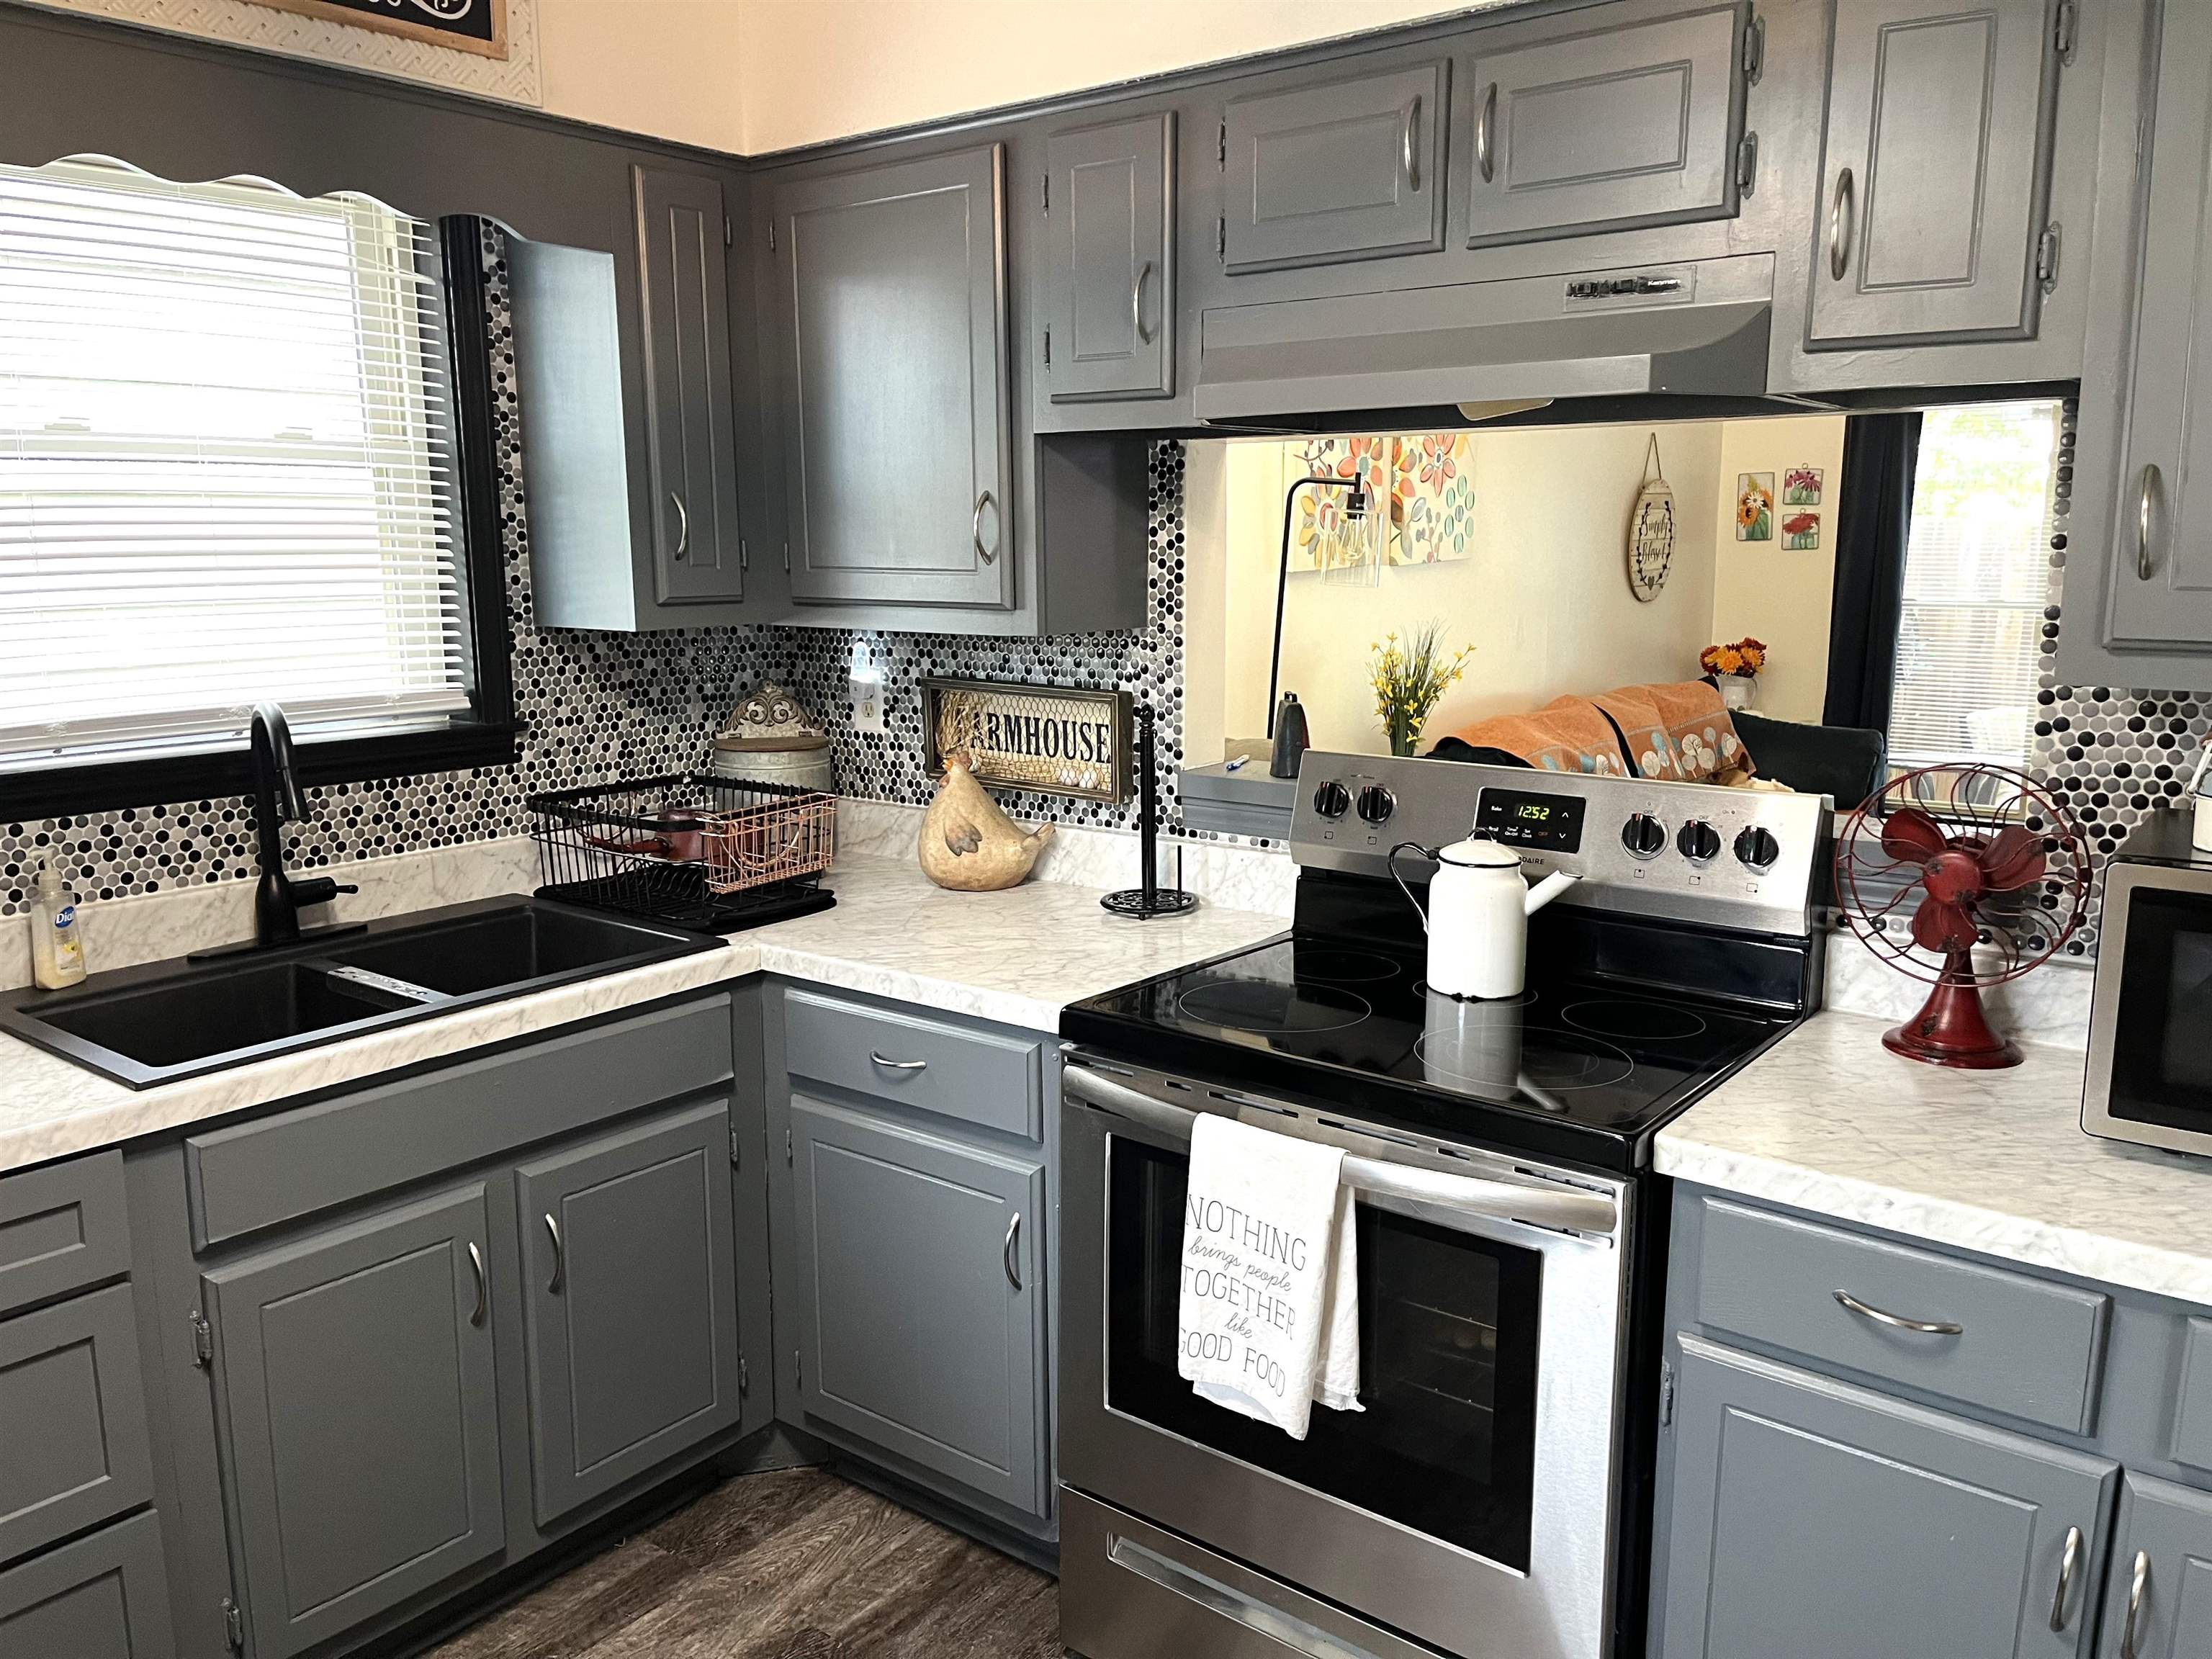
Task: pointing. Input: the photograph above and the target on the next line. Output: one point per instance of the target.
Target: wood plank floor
(792, 1565)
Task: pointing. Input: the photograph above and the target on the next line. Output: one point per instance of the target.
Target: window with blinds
(1977, 568)
(226, 465)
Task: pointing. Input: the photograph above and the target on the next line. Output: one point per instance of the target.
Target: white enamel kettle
(1478, 916)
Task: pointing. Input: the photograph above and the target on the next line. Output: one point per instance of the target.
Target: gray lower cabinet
(1821, 1521)
(916, 1281)
(1606, 130)
(892, 372)
(354, 1373)
(1109, 302)
(105, 1595)
(632, 1301)
(1935, 165)
(2158, 1600)
(1349, 167)
(73, 1441)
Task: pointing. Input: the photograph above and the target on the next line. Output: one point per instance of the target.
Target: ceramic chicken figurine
(968, 844)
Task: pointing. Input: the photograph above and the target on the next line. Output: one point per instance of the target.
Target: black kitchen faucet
(277, 898)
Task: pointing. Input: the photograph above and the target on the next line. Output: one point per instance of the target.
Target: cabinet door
(105, 1596)
(1109, 223)
(694, 445)
(1937, 147)
(72, 1370)
(1348, 169)
(892, 314)
(355, 1372)
(1823, 1521)
(2158, 1598)
(1607, 130)
(920, 1303)
(633, 1302)
(2161, 577)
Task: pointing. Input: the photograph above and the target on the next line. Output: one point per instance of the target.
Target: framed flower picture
(1801, 486)
(1754, 506)
(1800, 531)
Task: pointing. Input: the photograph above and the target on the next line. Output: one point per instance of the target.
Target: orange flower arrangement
(1744, 659)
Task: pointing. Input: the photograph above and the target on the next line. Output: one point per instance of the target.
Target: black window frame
(487, 735)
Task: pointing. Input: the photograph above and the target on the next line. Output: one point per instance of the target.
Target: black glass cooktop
(1357, 1024)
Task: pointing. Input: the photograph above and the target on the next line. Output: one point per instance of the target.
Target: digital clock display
(1523, 817)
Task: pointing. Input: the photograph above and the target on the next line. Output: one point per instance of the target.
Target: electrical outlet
(868, 701)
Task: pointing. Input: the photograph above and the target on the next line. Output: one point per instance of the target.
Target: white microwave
(2150, 1027)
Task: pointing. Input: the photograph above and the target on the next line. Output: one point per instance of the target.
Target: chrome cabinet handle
(683, 526)
(897, 1065)
(2136, 1588)
(1482, 125)
(2150, 483)
(1898, 1321)
(1013, 1233)
(975, 529)
(1408, 163)
(483, 1289)
(2067, 1563)
(1137, 302)
(1842, 225)
(560, 1257)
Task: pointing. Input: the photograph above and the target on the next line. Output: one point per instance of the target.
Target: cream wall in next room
(1780, 595)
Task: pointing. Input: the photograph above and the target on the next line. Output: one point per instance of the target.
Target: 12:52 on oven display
(1526, 817)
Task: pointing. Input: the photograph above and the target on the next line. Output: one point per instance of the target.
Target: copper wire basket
(715, 853)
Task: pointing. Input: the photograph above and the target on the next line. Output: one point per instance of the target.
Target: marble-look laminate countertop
(1017, 958)
(1828, 1120)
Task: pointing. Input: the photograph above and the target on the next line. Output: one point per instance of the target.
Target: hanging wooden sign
(477, 26)
(1050, 738)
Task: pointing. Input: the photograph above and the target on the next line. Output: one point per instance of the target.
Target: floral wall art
(1427, 480)
(1754, 506)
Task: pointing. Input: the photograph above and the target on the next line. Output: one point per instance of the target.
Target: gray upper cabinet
(1351, 168)
(1607, 130)
(359, 1414)
(1934, 171)
(2157, 1598)
(1819, 1521)
(919, 1296)
(632, 1301)
(680, 230)
(891, 367)
(1109, 304)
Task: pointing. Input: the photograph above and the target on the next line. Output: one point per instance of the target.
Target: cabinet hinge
(1666, 1393)
(744, 1378)
(2046, 257)
(729, 234)
(202, 1340)
(234, 1625)
(1048, 349)
(1747, 164)
(2063, 32)
(1044, 192)
(1222, 148)
(1754, 48)
(786, 1147)
(737, 1153)
(1221, 239)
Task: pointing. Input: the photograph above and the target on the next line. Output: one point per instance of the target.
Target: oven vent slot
(1373, 1134)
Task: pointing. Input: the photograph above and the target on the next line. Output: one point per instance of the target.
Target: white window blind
(225, 464)
(1977, 568)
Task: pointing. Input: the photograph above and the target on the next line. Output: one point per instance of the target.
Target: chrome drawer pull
(1483, 163)
(1842, 225)
(1013, 1233)
(2150, 483)
(1408, 162)
(1137, 303)
(2136, 1588)
(2067, 1563)
(1898, 1321)
(484, 1289)
(560, 1257)
(897, 1065)
(683, 526)
(975, 530)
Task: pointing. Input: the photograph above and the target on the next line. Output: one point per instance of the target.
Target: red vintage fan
(1964, 876)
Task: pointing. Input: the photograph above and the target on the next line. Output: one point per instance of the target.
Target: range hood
(1696, 330)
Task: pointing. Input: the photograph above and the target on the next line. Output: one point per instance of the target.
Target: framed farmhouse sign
(1045, 737)
(477, 26)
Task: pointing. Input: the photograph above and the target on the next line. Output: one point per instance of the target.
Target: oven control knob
(1644, 835)
(1699, 842)
(1332, 799)
(1376, 802)
(1758, 849)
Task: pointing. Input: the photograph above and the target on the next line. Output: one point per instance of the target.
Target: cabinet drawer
(62, 1228)
(2024, 1347)
(74, 1451)
(103, 1597)
(279, 1169)
(995, 1082)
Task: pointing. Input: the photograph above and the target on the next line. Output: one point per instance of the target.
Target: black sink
(142, 1026)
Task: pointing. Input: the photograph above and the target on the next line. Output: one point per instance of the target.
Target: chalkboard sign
(477, 26)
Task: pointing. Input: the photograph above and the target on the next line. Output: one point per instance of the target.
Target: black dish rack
(714, 854)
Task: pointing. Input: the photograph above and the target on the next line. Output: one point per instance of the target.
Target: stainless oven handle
(1542, 1206)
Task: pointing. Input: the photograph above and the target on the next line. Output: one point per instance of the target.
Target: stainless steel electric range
(1493, 1499)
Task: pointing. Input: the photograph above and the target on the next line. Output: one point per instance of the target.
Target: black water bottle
(1290, 740)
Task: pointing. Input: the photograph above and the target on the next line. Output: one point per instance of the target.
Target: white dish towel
(1269, 1322)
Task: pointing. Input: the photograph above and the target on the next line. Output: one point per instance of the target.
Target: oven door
(1472, 1505)
(2150, 1066)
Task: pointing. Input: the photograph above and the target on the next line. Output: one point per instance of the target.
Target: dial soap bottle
(57, 943)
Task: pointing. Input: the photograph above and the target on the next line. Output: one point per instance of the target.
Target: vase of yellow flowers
(1734, 668)
(1409, 678)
